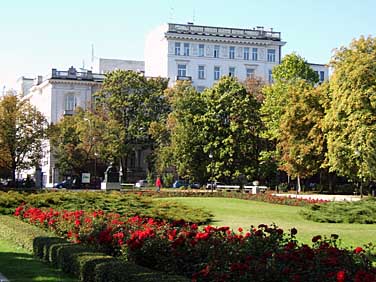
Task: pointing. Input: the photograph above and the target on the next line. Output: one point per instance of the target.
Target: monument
(111, 178)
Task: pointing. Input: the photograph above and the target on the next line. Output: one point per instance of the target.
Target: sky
(38, 35)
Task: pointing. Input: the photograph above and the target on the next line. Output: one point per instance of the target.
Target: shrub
(363, 212)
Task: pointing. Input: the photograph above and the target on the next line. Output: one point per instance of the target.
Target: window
(70, 103)
(270, 76)
(271, 55)
(201, 50)
(217, 73)
(201, 72)
(250, 72)
(186, 49)
(216, 51)
(231, 71)
(182, 70)
(254, 54)
(322, 76)
(177, 48)
(231, 52)
(246, 53)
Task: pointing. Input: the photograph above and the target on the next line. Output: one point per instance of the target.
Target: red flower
(294, 231)
(358, 250)
(240, 229)
(341, 276)
(316, 238)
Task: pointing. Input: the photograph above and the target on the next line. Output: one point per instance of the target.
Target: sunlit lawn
(20, 266)
(241, 213)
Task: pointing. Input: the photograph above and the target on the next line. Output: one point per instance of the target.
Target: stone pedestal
(111, 179)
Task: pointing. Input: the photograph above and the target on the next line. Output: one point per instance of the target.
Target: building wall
(102, 65)
(160, 61)
(155, 53)
(322, 71)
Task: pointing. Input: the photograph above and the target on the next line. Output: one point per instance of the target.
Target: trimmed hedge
(83, 262)
(20, 232)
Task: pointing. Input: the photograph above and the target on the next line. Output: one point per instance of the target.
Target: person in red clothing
(158, 183)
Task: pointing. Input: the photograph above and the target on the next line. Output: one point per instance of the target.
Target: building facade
(203, 54)
(321, 70)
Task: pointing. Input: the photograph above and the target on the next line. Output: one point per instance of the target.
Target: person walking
(158, 183)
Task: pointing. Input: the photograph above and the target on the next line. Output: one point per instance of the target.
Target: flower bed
(265, 253)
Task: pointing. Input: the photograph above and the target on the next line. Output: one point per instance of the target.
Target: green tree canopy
(230, 127)
(22, 131)
(134, 101)
(351, 119)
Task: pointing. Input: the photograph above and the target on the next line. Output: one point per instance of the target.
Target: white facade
(57, 95)
(203, 54)
(321, 70)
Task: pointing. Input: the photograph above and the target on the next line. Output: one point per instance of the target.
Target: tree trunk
(299, 187)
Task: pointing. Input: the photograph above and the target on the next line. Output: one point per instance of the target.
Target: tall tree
(301, 143)
(186, 142)
(134, 101)
(293, 68)
(81, 141)
(230, 128)
(22, 131)
(351, 119)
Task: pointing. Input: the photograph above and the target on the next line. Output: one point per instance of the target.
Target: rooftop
(255, 33)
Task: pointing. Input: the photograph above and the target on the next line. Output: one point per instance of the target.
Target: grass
(18, 265)
(241, 213)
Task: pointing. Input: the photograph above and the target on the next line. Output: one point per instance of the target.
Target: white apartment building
(203, 54)
(58, 94)
(321, 70)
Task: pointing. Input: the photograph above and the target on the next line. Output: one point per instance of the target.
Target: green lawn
(241, 213)
(20, 266)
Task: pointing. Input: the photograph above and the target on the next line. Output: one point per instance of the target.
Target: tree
(134, 101)
(81, 141)
(351, 119)
(301, 144)
(230, 127)
(22, 131)
(186, 142)
(286, 76)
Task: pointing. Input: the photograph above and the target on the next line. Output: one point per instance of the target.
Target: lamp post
(358, 153)
(211, 170)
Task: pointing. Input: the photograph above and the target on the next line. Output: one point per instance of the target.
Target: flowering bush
(265, 253)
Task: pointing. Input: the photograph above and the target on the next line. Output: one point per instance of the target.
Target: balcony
(255, 33)
(68, 112)
(179, 77)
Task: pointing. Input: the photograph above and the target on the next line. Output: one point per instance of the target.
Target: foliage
(210, 254)
(85, 141)
(301, 140)
(22, 131)
(230, 127)
(351, 120)
(134, 101)
(363, 212)
(130, 204)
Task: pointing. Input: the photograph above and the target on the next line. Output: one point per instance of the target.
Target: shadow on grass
(23, 267)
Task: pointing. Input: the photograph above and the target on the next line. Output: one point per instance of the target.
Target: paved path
(322, 197)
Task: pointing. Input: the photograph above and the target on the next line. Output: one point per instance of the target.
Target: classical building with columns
(203, 54)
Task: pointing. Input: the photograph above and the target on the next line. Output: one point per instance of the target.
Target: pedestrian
(158, 183)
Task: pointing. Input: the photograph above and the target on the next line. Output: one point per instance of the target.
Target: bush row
(265, 253)
(84, 262)
(123, 203)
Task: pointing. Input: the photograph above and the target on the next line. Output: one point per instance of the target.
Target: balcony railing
(179, 77)
(75, 75)
(258, 33)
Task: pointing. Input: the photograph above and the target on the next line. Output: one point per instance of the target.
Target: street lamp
(358, 153)
(211, 170)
